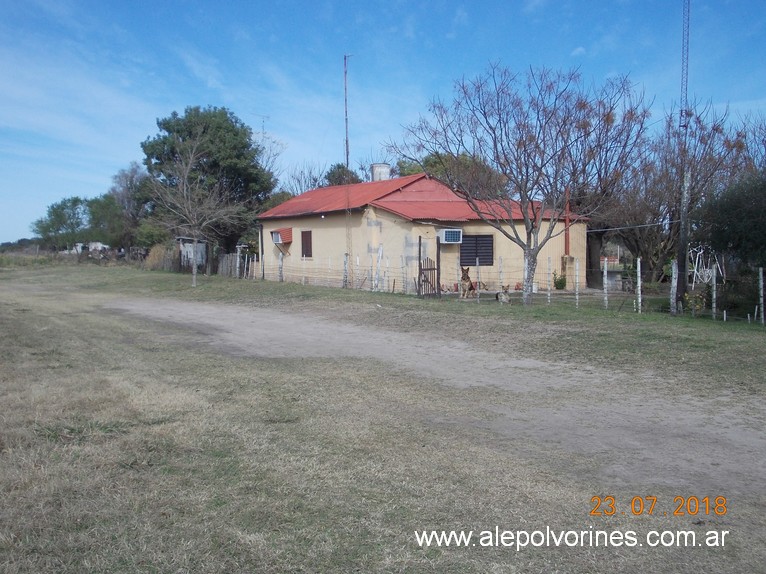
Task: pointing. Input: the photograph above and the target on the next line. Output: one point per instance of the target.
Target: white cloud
(577, 52)
(202, 67)
(534, 5)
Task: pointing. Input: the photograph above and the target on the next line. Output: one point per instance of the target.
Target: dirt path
(647, 437)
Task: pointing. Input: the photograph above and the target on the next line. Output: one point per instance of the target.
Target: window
(282, 235)
(479, 247)
(306, 244)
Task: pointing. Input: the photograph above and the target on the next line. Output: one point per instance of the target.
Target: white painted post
(404, 275)
(356, 275)
(377, 268)
(606, 296)
(280, 273)
(369, 275)
(639, 284)
(760, 292)
(478, 279)
(345, 271)
(674, 289)
(550, 280)
(577, 283)
(500, 273)
(715, 280)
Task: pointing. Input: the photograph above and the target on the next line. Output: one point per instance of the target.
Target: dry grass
(127, 446)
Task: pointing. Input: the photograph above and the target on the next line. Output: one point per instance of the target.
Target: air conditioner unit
(451, 235)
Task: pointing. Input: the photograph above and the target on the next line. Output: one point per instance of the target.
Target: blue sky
(83, 82)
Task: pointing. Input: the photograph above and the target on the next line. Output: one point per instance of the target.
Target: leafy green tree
(277, 198)
(150, 233)
(64, 224)
(226, 161)
(105, 220)
(131, 193)
(737, 221)
(339, 174)
(191, 202)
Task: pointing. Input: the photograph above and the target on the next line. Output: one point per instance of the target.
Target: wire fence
(622, 290)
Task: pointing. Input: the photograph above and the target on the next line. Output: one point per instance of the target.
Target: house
(368, 235)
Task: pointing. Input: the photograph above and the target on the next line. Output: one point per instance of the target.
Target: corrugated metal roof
(339, 197)
(416, 198)
(440, 203)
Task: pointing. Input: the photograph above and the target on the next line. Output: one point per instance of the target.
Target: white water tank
(380, 171)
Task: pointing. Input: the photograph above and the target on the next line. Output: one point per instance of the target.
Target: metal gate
(429, 275)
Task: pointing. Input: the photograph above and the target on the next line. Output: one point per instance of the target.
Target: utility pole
(683, 236)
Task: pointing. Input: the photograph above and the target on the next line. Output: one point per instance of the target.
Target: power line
(632, 226)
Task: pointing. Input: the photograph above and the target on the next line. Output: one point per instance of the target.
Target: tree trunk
(530, 266)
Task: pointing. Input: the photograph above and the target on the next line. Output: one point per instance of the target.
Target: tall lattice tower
(684, 118)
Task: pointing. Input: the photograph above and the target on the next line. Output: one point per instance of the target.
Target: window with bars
(306, 250)
(475, 247)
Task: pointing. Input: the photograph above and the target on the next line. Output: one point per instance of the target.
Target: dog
(504, 296)
(466, 285)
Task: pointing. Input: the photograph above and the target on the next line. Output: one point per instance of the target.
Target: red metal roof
(416, 198)
(339, 197)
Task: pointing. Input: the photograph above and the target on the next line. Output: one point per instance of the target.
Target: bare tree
(364, 164)
(650, 203)
(647, 212)
(616, 143)
(188, 200)
(753, 133)
(514, 146)
(302, 178)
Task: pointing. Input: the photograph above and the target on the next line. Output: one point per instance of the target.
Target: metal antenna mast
(345, 98)
(348, 276)
(685, 68)
(683, 237)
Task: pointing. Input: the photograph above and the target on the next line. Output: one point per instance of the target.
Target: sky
(85, 81)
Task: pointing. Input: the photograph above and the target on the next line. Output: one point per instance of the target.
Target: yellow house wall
(384, 252)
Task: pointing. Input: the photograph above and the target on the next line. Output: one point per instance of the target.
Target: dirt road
(605, 427)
